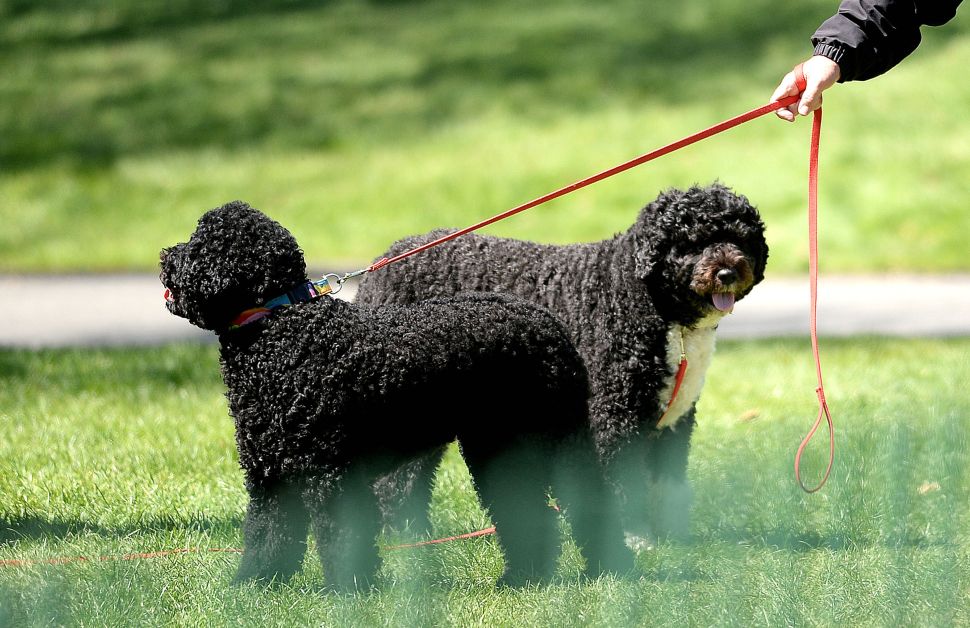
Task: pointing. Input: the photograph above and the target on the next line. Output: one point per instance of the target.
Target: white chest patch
(699, 347)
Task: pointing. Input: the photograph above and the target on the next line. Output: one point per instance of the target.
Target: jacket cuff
(841, 56)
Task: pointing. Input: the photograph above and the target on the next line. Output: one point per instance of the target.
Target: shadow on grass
(112, 368)
(11, 367)
(811, 541)
(109, 20)
(37, 528)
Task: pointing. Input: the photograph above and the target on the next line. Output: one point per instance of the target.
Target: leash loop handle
(823, 407)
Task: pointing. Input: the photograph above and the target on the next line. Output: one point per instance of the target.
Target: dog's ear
(759, 248)
(646, 257)
(652, 232)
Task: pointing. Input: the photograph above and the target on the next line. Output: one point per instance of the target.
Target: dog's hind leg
(346, 521)
(274, 534)
(513, 486)
(405, 494)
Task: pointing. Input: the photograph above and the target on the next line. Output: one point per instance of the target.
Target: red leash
(823, 408)
(470, 535)
(642, 159)
(678, 382)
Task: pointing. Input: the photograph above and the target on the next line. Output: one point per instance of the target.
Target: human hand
(820, 74)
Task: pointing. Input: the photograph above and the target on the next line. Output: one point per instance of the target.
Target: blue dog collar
(303, 293)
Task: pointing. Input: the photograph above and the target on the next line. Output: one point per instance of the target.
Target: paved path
(113, 310)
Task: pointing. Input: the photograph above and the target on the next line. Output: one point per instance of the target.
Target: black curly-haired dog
(630, 303)
(327, 396)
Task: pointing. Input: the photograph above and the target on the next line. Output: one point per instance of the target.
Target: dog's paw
(268, 581)
(520, 580)
(349, 587)
(640, 542)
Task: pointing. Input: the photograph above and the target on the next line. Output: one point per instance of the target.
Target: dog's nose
(727, 276)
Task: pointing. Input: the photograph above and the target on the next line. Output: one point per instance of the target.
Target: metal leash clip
(325, 285)
(332, 283)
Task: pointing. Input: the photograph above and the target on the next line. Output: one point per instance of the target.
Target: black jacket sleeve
(867, 37)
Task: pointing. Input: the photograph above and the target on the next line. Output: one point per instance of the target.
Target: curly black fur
(328, 396)
(619, 299)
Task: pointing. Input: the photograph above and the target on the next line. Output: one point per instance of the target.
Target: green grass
(356, 123)
(115, 451)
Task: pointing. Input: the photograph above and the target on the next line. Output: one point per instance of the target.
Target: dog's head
(236, 259)
(699, 251)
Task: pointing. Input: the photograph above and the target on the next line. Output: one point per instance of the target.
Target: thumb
(787, 87)
(811, 99)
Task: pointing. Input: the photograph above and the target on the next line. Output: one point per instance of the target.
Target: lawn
(108, 452)
(357, 123)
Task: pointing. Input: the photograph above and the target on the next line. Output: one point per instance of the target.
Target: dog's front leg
(628, 474)
(274, 534)
(346, 521)
(671, 494)
(649, 474)
(590, 508)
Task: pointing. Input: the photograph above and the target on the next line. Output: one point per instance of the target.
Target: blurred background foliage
(356, 123)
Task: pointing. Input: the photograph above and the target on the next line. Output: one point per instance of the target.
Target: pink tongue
(723, 301)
